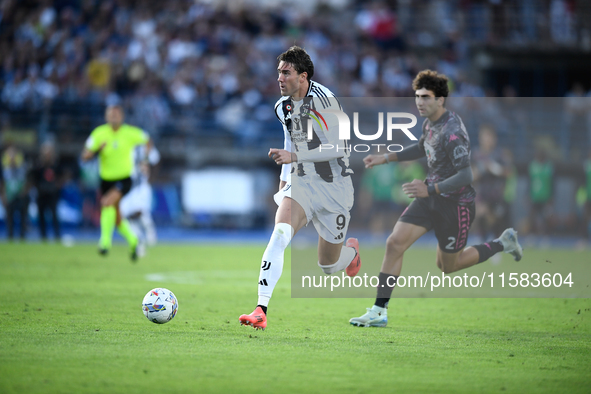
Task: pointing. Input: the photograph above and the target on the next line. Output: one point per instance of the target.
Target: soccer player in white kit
(315, 179)
(136, 206)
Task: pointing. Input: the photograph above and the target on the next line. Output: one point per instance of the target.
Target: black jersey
(446, 144)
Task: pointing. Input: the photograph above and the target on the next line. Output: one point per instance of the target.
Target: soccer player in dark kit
(443, 202)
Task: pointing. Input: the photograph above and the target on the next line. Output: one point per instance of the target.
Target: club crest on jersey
(430, 153)
(305, 110)
(460, 151)
(288, 107)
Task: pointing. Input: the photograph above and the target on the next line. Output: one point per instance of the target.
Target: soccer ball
(160, 305)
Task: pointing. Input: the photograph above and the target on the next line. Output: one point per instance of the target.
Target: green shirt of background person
(379, 184)
(584, 192)
(14, 189)
(405, 172)
(14, 173)
(384, 183)
(541, 173)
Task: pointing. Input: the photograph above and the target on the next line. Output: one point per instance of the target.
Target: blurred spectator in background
(46, 177)
(514, 122)
(510, 188)
(15, 189)
(576, 113)
(541, 188)
(173, 62)
(584, 201)
(490, 178)
(190, 49)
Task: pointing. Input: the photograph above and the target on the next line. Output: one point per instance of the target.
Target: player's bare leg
(292, 213)
(452, 262)
(111, 198)
(402, 237)
(472, 255)
(289, 219)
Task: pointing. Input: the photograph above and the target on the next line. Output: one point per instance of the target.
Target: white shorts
(327, 205)
(139, 199)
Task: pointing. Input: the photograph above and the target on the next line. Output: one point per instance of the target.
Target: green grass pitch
(71, 322)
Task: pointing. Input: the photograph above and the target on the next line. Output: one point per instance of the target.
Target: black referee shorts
(450, 220)
(123, 185)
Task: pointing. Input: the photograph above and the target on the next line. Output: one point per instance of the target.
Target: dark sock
(385, 288)
(264, 308)
(488, 249)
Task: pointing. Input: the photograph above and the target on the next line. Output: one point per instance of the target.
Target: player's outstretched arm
(418, 188)
(281, 156)
(149, 146)
(375, 160)
(87, 154)
(412, 152)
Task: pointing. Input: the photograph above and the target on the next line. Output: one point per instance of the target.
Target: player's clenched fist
(281, 156)
(373, 160)
(416, 189)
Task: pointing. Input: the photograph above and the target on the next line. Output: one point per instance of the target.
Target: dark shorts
(450, 220)
(124, 186)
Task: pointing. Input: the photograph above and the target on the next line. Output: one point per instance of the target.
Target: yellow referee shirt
(116, 158)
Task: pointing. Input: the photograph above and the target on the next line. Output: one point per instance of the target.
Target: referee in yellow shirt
(114, 143)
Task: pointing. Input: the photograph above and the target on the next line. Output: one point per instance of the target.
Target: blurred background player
(490, 178)
(443, 202)
(15, 190)
(541, 191)
(136, 206)
(307, 171)
(114, 143)
(46, 177)
(584, 202)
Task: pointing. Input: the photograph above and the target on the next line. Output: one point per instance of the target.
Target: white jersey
(139, 198)
(323, 157)
(139, 153)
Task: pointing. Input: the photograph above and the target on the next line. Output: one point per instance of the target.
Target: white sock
(379, 309)
(272, 261)
(136, 228)
(347, 255)
(149, 228)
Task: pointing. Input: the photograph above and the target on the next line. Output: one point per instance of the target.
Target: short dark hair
(433, 81)
(115, 106)
(299, 59)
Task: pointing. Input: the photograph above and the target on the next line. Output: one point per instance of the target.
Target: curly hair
(299, 59)
(433, 81)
